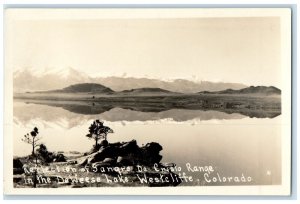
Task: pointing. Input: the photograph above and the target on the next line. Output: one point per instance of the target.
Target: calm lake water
(232, 144)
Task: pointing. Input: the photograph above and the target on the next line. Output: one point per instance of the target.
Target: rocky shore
(110, 164)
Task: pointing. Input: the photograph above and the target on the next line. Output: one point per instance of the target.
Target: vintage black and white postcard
(147, 101)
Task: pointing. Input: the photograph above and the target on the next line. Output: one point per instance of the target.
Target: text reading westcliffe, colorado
(206, 173)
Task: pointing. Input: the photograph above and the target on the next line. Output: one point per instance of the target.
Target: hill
(263, 90)
(146, 91)
(85, 88)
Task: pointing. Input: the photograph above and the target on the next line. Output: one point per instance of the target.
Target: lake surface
(233, 144)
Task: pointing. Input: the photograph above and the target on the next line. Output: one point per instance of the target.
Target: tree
(97, 131)
(42, 150)
(43, 153)
(32, 138)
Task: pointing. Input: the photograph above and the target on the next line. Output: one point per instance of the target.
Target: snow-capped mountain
(28, 79)
(65, 73)
(176, 85)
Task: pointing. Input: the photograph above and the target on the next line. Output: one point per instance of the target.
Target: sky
(227, 49)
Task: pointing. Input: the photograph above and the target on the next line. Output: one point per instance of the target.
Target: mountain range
(27, 79)
(100, 89)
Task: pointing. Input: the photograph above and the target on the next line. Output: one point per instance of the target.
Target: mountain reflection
(76, 114)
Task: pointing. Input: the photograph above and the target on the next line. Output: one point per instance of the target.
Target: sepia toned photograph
(147, 101)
